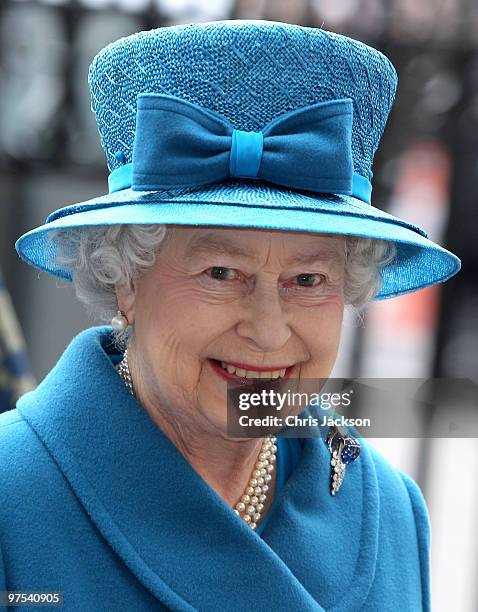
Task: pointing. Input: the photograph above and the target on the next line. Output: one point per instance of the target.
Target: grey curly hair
(103, 257)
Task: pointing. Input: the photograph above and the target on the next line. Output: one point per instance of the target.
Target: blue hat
(245, 123)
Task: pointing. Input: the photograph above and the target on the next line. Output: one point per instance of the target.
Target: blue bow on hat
(180, 144)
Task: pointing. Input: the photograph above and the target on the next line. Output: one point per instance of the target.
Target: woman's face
(263, 298)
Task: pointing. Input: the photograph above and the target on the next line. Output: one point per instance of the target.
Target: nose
(264, 322)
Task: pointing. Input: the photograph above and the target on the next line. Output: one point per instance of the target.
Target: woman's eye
(219, 273)
(310, 280)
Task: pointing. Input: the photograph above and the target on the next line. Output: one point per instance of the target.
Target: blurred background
(426, 172)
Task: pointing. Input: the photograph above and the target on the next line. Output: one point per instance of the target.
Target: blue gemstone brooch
(344, 449)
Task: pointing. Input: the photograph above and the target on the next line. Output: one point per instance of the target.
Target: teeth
(248, 374)
(251, 373)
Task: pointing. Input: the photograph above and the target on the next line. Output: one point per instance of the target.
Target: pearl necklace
(251, 503)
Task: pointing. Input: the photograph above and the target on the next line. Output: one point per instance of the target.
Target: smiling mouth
(242, 373)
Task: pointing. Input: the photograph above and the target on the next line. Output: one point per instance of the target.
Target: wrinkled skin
(199, 302)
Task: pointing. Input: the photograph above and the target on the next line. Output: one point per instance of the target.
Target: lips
(216, 365)
(245, 366)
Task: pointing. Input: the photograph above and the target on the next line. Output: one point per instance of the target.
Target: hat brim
(420, 262)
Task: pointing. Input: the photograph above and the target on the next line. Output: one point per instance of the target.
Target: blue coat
(96, 502)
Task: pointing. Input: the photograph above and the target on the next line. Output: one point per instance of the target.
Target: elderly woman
(238, 226)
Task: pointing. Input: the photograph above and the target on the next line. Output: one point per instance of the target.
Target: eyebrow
(210, 244)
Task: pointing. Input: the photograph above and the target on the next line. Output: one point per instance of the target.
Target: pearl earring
(119, 322)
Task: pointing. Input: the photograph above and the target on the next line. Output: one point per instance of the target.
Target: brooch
(344, 449)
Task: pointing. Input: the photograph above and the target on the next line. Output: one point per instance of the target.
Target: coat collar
(171, 528)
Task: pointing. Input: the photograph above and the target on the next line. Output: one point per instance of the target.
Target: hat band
(122, 178)
(179, 144)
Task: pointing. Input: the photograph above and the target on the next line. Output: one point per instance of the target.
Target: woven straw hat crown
(250, 72)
